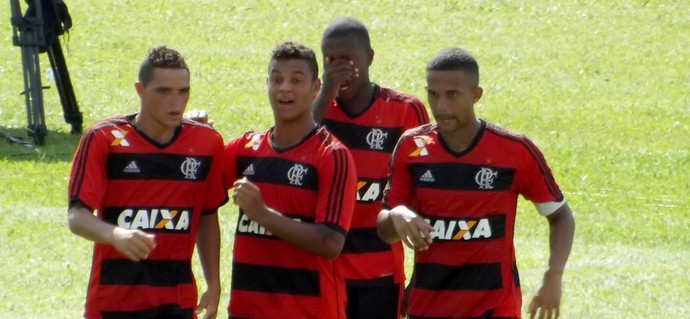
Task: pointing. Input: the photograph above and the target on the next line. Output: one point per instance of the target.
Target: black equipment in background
(36, 32)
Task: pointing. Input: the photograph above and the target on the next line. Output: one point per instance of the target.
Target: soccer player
(452, 195)
(368, 119)
(295, 185)
(155, 182)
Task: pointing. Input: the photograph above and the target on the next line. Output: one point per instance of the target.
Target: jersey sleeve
(216, 191)
(337, 180)
(535, 181)
(398, 190)
(88, 178)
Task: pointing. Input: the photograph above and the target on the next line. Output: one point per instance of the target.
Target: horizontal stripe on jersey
(370, 190)
(157, 166)
(364, 240)
(168, 310)
(461, 176)
(151, 219)
(457, 277)
(279, 171)
(270, 279)
(159, 273)
(472, 228)
(248, 227)
(360, 137)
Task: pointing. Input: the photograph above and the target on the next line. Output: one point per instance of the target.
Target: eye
(452, 94)
(296, 81)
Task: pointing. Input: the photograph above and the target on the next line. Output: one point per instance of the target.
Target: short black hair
(160, 57)
(346, 27)
(294, 50)
(455, 59)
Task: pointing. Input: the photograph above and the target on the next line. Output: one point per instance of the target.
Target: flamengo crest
(189, 167)
(296, 173)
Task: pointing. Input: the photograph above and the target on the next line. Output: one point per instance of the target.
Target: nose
(442, 104)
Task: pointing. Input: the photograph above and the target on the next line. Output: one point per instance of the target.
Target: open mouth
(285, 101)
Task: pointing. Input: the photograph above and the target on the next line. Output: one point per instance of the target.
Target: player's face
(451, 96)
(349, 48)
(165, 97)
(291, 89)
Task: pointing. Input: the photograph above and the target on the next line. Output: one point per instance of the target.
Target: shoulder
(328, 140)
(111, 122)
(423, 130)
(403, 99)
(510, 140)
(201, 129)
(248, 139)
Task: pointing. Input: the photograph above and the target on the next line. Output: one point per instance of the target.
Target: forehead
(170, 77)
(289, 66)
(341, 44)
(447, 79)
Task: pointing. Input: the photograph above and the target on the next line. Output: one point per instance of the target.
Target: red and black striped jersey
(470, 199)
(312, 182)
(371, 136)
(136, 183)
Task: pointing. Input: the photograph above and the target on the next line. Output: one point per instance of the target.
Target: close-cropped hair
(293, 50)
(160, 57)
(455, 59)
(348, 27)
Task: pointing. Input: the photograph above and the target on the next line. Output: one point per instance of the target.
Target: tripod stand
(30, 34)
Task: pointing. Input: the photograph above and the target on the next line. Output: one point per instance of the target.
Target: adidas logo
(249, 170)
(427, 177)
(132, 168)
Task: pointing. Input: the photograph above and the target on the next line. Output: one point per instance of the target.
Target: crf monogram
(296, 173)
(485, 178)
(189, 168)
(375, 139)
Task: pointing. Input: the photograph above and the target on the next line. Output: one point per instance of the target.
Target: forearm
(385, 228)
(208, 247)
(315, 238)
(321, 103)
(82, 222)
(561, 233)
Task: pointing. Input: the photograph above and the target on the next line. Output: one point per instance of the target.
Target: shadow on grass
(58, 146)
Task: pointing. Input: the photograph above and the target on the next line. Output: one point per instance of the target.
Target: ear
(477, 92)
(315, 87)
(370, 56)
(139, 87)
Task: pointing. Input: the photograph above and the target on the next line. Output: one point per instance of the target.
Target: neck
(152, 129)
(460, 139)
(288, 134)
(360, 101)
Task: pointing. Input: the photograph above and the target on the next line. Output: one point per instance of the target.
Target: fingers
(541, 309)
(135, 244)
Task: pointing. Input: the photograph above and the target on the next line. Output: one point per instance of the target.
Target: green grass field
(602, 87)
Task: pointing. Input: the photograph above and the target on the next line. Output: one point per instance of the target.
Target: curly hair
(293, 50)
(160, 57)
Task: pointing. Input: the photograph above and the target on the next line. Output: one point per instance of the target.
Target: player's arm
(336, 73)
(208, 246)
(546, 304)
(133, 243)
(401, 223)
(316, 238)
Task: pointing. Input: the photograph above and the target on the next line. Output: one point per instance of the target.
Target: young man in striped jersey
(452, 195)
(368, 119)
(155, 181)
(295, 186)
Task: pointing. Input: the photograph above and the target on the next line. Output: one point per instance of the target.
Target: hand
(133, 243)
(209, 301)
(198, 116)
(247, 196)
(547, 303)
(411, 228)
(338, 73)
